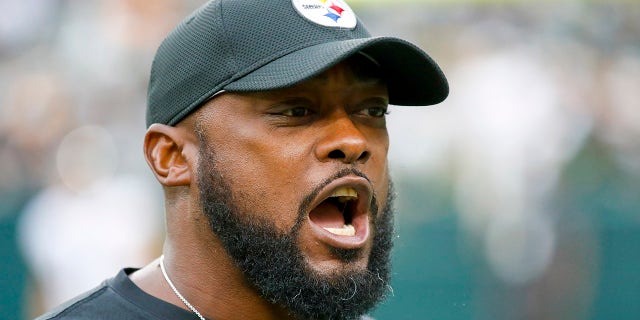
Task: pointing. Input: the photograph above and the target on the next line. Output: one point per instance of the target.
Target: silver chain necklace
(166, 277)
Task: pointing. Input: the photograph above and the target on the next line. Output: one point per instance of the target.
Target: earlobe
(164, 151)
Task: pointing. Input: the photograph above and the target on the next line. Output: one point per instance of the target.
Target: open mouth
(335, 214)
(341, 218)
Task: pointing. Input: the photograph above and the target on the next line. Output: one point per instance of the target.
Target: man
(266, 129)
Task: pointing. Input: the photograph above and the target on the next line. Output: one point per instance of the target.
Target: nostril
(337, 154)
(364, 156)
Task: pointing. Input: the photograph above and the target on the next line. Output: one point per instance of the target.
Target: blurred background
(519, 196)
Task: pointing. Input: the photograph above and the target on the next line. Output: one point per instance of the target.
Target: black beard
(275, 266)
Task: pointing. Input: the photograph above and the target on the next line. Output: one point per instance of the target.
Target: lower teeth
(346, 230)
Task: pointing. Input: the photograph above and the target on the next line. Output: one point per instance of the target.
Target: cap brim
(412, 77)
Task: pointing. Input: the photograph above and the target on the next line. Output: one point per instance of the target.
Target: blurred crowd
(519, 196)
(77, 201)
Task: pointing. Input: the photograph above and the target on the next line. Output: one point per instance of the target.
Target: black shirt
(118, 298)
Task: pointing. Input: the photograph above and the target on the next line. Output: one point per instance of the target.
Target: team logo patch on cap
(328, 13)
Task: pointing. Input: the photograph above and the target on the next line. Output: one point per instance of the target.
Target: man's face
(295, 184)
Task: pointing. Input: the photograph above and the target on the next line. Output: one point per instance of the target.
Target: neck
(206, 276)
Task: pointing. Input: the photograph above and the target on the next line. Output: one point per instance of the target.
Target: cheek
(381, 185)
(378, 163)
(264, 174)
(379, 169)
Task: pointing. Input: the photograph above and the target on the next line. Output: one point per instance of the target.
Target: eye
(296, 112)
(376, 112)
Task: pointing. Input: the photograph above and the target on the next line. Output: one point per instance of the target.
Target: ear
(164, 150)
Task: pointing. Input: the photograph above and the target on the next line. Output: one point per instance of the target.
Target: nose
(342, 141)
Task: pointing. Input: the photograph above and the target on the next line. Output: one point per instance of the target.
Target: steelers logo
(328, 13)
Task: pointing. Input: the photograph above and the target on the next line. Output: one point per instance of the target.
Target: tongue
(327, 215)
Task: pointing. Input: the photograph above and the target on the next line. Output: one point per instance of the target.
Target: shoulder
(77, 308)
(103, 302)
(117, 298)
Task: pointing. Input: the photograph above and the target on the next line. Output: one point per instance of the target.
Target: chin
(340, 261)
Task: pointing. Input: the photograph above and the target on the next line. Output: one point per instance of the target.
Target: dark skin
(272, 147)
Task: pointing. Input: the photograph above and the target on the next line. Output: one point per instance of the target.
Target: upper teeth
(345, 193)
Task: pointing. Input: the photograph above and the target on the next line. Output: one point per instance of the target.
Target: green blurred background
(518, 197)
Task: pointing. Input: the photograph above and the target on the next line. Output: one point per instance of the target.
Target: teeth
(345, 194)
(346, 230)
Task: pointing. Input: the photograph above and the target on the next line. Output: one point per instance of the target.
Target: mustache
(306, 202)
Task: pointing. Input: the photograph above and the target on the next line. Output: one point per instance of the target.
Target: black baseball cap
(258, 45)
